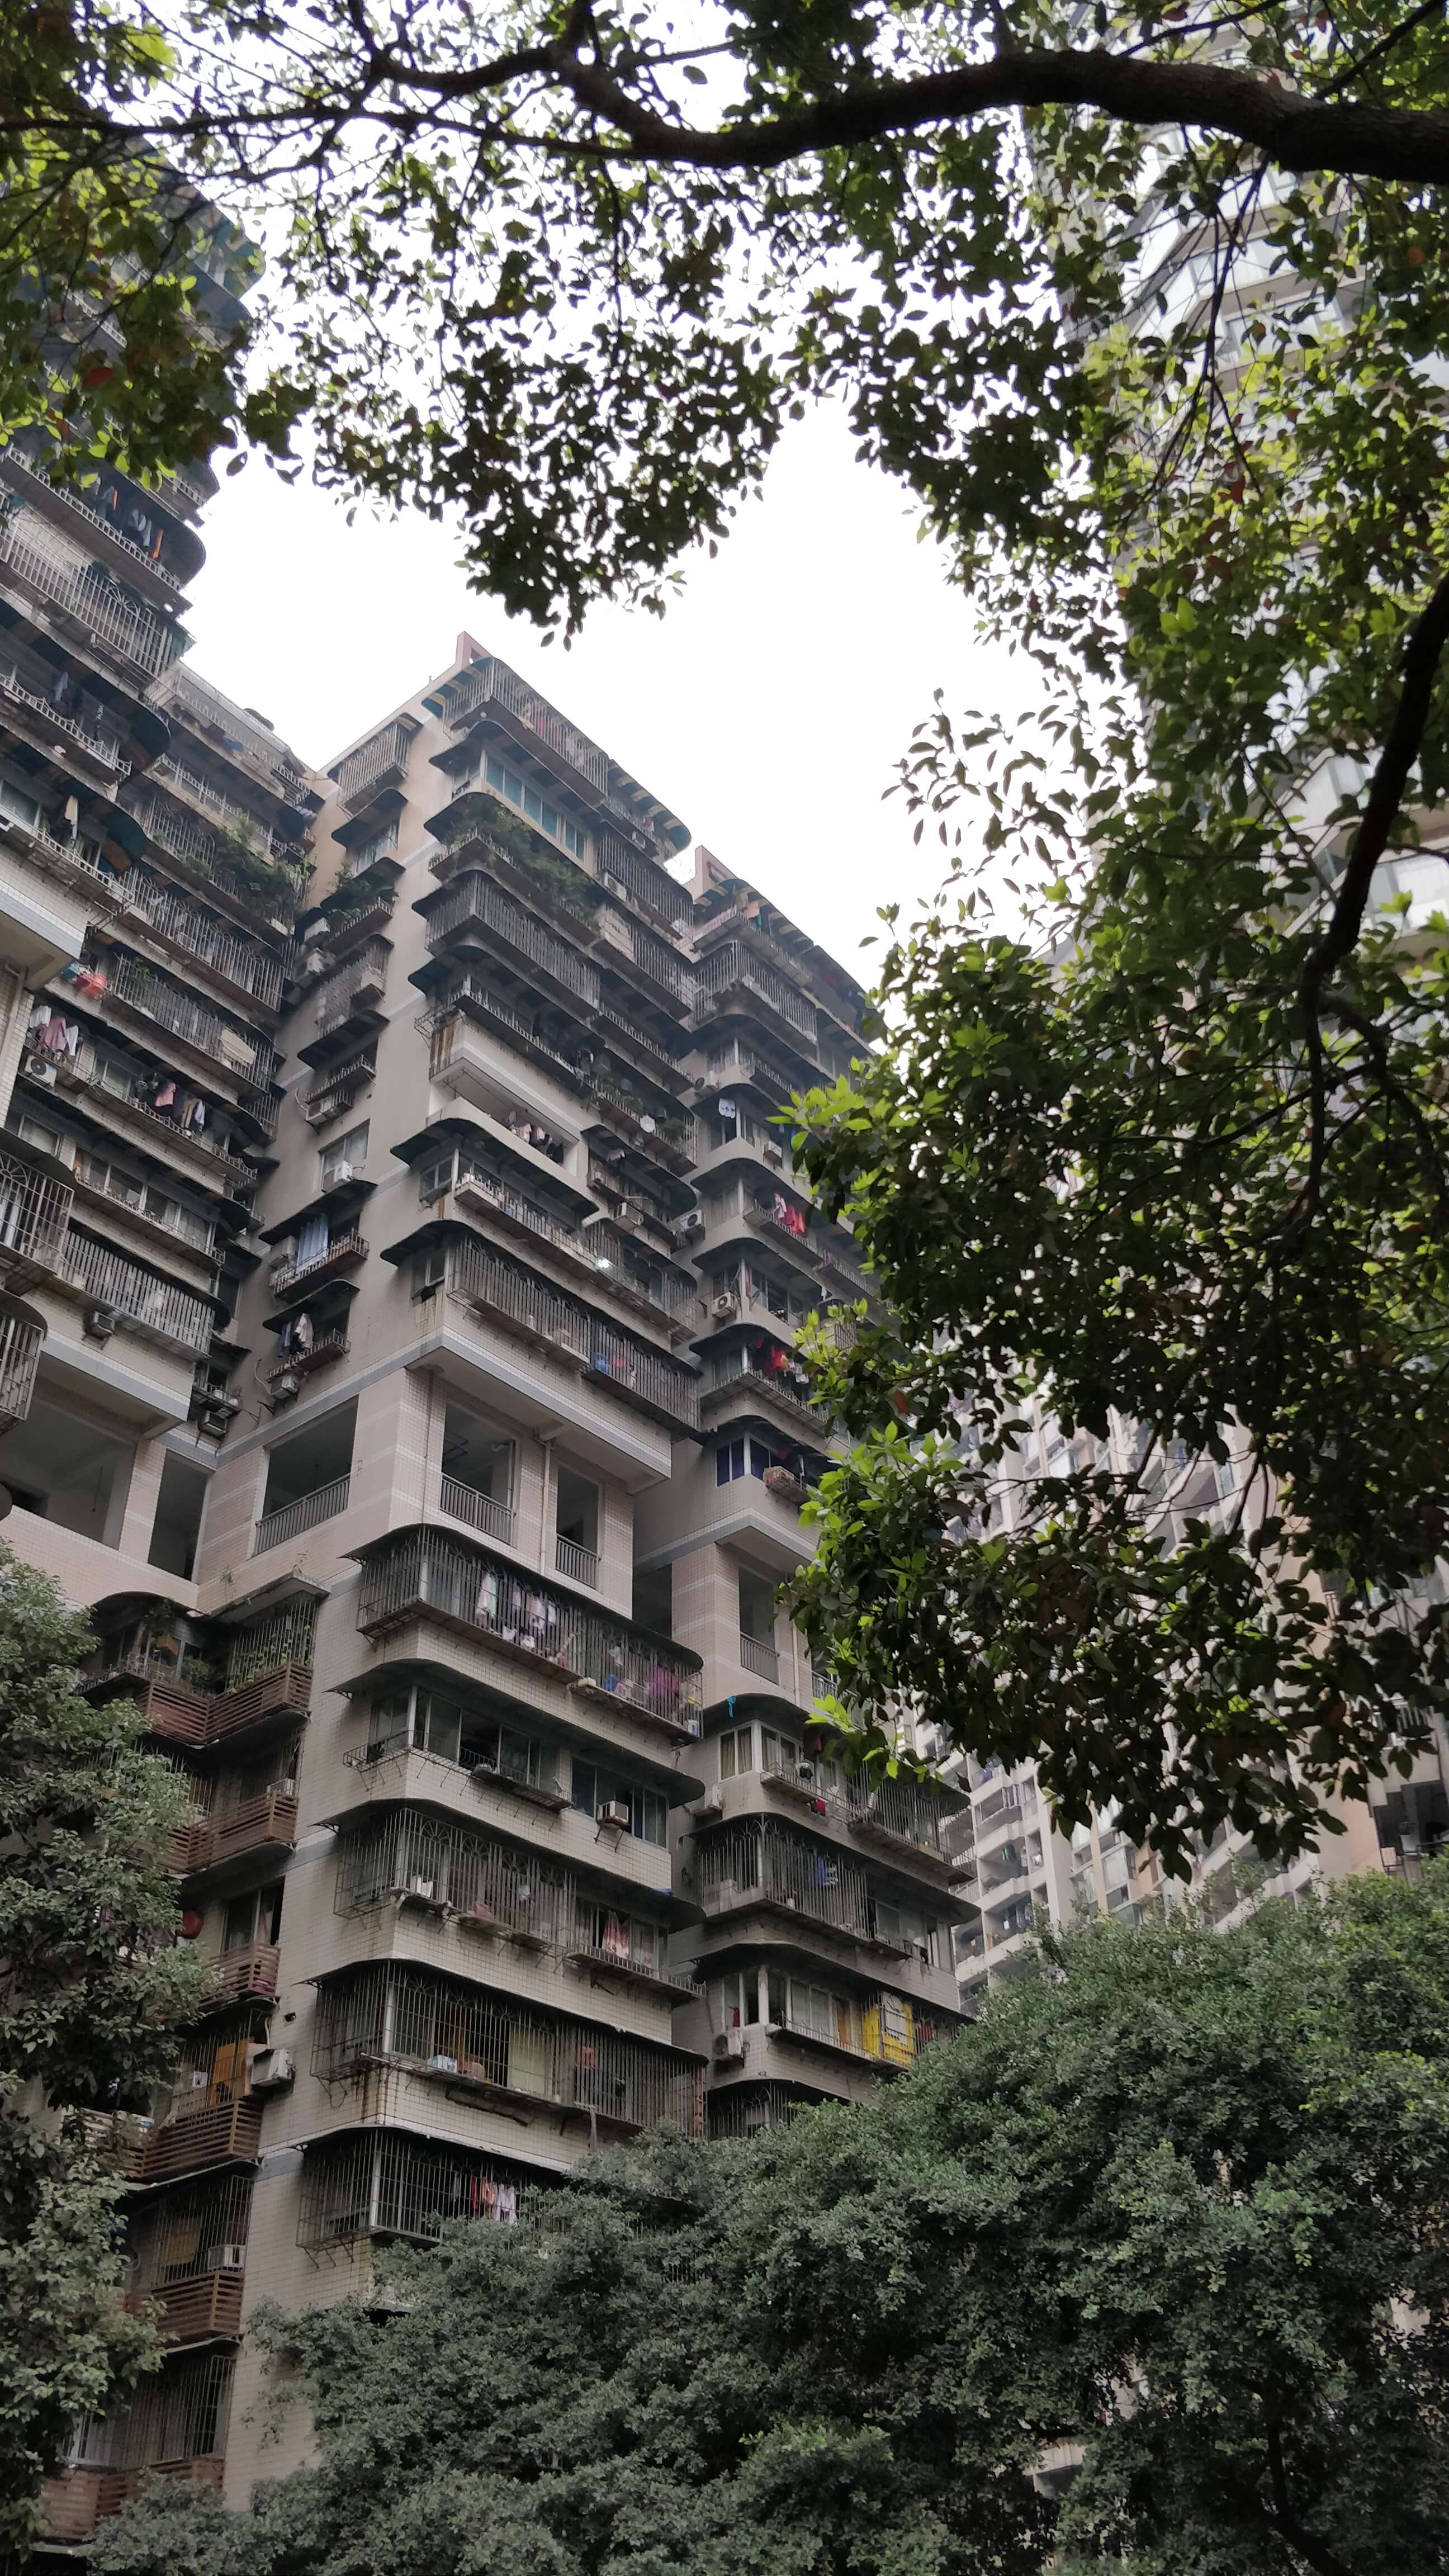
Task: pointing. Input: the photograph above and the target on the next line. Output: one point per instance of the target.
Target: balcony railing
(56, 721)
(19, 1360)
(34, 1213)
(422, 1573)
(497, 685)
(758, 1657)
(336, 1089)
(229, 810)
(383, 757)
(252, 1825)
(644, 878)
(527, 1304)
(274, 1528)
(663, 963)
(396, 2184)
(83, 509)
(152, 1306)
(363, 977)
(250, 1059)
(241, 734)
(737, 1369)
(579, 1564)
(222, 2133)
(474, 903)
(244, 1975)
(240, 961)
(767, 1863)
(399, 2017)
(341, 1252)
(184, 838)
(732, 966)
(465, 1503)
(124, 625)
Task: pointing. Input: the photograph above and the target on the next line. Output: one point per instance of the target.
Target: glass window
(593, 1787)
(737, 1752)
(350, 1149)
(729, 1461)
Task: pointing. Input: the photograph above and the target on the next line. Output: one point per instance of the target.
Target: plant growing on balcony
(240, 854)
(92, 1988)
(1167, 2221)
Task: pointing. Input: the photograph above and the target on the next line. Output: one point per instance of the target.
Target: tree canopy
(1146, 310)
(92, 1986)
(1145, 2269)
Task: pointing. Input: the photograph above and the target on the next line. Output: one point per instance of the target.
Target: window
(735, 1458)
(94, 1172)
(176, 1530)
(594, 1787)
(376, 846)
(735, 1999)
(350, 1149)
(430, 1269)
(435, 1178)
(68, 1471)
(49, 1139)
(477, 1455)
(757, 1607)
(737, 1752)
(559, 827)
(14, 802)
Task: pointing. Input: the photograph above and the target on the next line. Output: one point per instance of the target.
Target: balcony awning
(333, 1202)
(559, 1198)
(267, 1596)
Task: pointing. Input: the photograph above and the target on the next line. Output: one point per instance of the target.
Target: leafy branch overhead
(1146, 312)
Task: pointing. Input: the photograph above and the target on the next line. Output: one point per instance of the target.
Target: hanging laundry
(507, 2205)
(302, 1333)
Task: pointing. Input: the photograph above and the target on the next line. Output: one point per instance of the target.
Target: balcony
(470, 1000)
(63, 502)
(34, 1215)
(524, 1303)
(655, 1127)
(225, 2133)
(613, 1961)
(379, 763)
(273, 893)
(736, 1375)
(610, 1261)
(733, 970)
(757, 1656)
(431, 1574)
(128, 631)
(175, 1318)
(241, 962)
(476, 911)
(36, 721)
(577, 1564)
(264, 1823)
(898, 1818)
(245, 1975)
(465, 1503)
(234, 731)
(202, 1718)
(337, 1089)
(343, 1253)
(21, 1336)
(529, 720)
(351, 996)
(643, 878)
(205, 2309)
(326, 1346)
(248, 1059)
(275, 1528)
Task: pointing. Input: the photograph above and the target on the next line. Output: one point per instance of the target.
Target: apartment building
(443, 1559)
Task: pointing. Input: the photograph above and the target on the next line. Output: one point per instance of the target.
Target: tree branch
(1292, 132)
(1285, 2522)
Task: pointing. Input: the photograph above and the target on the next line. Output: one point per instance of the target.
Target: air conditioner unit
(693, 1223)
(231, 2257)
(318, 1113)
(612, 1811)
(271, 2068)
(44, 1074)
(100, 1323)
(339, 1173)
(729, 2048)
(726, 1309)
(216, 1421)
(284, 1388)
(775, 1157)
(711, 1804)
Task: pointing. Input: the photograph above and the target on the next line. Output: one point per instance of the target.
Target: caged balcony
(34, 1213)
(430, 1574)
(523, 1302)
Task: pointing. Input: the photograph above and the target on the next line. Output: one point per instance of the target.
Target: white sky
(768, 706)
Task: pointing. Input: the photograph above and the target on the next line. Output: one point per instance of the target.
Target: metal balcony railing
(19, 1359)
(733, 965)
(241, 734)
(644, 878)
(364, 973)
(88, 592)
(151, 1305)
(293, 1518)
(465, 1503)
(401, 2016)
(229, 810)
(250, 1059)
(664, 963)
(737, 1368)
(474, 902)
(380, 757)
(56, 721)
(497, 684)
(766, 1861)
(185, 838)
(579, 1564)
(421, 1571)
(242, 961)
(410, 1855)
(758, 1657)
(345, 1247)
(533, 1306)
(396, 2184)
(34, 1213)
(76, 502)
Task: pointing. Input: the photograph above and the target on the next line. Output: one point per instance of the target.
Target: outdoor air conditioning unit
(271, 2068)
(339, 1173)
(613, 1811)
(231, 2257)
(100, 1323)
(318, 1113)
(284, 1388)
(729, 2048)
(692, 1224)
(711, 1804)
(726, 1309)
(216, 1420)
(774, 1155)
(44, 1074)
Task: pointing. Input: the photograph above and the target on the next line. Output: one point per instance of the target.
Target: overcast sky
(768, 706)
